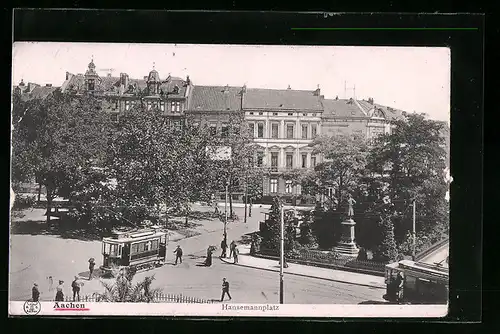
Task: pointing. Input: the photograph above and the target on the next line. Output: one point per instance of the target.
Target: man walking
(35, 293)
(178, 254)
(225, 289)
(75, 285)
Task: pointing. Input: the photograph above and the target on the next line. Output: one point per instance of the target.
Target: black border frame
(467, 52)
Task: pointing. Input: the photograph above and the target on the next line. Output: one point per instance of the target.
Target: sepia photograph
(229, 180)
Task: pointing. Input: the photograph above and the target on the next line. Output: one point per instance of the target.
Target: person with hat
(35, 293)
(91, 267)
(178, 254)
(59, 292)
(75, 286)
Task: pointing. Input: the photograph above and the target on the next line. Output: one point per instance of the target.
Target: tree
(410, 162)
(55, 138)
(344, 162)
(123, 290)
(271, 229)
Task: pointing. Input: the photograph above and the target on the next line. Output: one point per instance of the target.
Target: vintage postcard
(229, 180)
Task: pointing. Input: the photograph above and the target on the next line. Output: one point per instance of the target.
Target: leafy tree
(344, 162)
(326, 226)
(410, 163)
(271, 229)
(55, 138)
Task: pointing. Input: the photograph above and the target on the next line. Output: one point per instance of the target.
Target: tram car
(422, 283)
(138, 249)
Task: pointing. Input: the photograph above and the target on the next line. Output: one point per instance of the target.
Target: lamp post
(246, 195)
(225, 211)
(414, 234)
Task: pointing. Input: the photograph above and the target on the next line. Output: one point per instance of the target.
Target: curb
(304, 275)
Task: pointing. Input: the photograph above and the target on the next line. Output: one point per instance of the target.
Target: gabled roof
(341, 108)
(257, 98)
(215, 98)
(39, 92)
(389, 112)
(108, 84)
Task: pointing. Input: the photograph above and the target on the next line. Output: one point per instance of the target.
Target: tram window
(135, 248)
(114, 250)
(147, 246)
(163, 239)
(141, 247)
(106, 248)
(155, 244)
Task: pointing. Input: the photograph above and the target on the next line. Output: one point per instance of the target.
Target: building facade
(283, 122)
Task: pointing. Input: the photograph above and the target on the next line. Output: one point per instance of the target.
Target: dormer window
(290, 114)
(91, 84)
(275, 114)
(176, 89)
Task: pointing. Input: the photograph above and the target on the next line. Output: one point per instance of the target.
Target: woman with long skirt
(59, 292)
(208, 261)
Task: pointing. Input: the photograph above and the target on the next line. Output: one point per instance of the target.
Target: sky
(414, 79)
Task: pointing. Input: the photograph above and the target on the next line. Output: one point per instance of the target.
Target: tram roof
(420, 267)
(133, 236)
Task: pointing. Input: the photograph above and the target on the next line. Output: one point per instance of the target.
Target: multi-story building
(283, 122)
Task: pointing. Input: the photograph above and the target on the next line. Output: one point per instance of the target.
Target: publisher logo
(31, 307)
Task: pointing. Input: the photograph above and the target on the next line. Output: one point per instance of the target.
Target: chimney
(370, 100)
(226, 89)
(109, 75)
(336, 98)
(289, 87)
(317, 92)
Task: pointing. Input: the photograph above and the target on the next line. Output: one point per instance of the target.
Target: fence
(328, 259)
(431, 249)
(157, 298)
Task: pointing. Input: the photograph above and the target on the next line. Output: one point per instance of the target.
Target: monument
(347, 244)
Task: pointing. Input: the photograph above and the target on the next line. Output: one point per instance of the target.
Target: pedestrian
(59, 292)
(225, 289)
(75, 286)
(399, 287)
(91, 267)
(208, 261)
(178, 254)
(236, 253)
(232, 246)
(223, 246)
(35, 293)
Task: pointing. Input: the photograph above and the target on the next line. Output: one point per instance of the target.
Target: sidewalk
(245, 260)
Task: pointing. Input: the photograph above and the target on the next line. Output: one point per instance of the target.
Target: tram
(137, 249)
(422, 283)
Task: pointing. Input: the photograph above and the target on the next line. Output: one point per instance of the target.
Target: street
(35, 258)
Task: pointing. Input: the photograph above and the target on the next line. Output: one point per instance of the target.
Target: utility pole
(225, 211)
(246, 195)
(414, 231)
(282, 250)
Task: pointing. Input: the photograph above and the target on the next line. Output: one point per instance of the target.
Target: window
(155, 244)
(313, 130)
(260, 130)
(274, 186)
(304, 160)
(149, 105)
(289, 131)
(274, 130)
(314, 114)
(313, 162)
(114, 118)
(289, 161)
(274, 159)
(304, 131)
(261, 113)
(250, 162)
(288, 186)
(177, 125)
(147, 246)
(251, 113)
(304, 114)
(260, 159)
(290, 114)
(175, 106)
(275, 114)
(135, 249)
(213, 129)
(225, 130)
(251, 129)
(91, 84)
(127, 105)
(162, 106)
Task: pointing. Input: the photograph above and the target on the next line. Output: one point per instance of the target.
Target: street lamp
(282, 250)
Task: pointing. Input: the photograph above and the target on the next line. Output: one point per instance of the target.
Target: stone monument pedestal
(346, 245)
